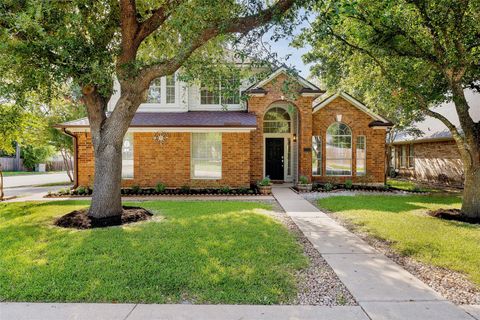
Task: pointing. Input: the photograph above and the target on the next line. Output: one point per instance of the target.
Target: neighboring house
(183, 136)
(433, 156)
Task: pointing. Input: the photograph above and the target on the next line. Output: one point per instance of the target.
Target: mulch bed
(453, 214)
(79, 219)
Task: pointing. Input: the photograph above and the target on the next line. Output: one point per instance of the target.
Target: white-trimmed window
(403, 156)
(206, 158)
(277, 120)
(170, 89)
(338, 157)
(155, 91)
(226, 92)
(127, 156)
(230, 93)
(316, 155)
(209, 95)
(361, 156)
(411, 157)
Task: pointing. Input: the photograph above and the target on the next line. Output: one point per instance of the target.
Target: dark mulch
(79, 219)
(453, 214)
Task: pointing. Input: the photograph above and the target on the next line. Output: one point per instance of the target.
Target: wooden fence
(8, 164)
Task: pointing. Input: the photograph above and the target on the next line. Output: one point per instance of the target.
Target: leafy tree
(63, 109)
(36, 154)
(414, 54)
(47, 43)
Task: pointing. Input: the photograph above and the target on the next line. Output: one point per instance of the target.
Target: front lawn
(197, 252)
(402, 220)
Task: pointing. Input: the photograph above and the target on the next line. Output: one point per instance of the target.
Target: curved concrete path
(384, 290)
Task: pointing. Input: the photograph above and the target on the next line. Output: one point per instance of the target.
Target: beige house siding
(434, 161)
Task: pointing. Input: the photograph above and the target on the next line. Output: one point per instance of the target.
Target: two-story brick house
(186, 135)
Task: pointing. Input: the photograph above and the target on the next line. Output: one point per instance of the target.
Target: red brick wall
(259, 105)
(435, 161)
(358, 122)
(169, 163)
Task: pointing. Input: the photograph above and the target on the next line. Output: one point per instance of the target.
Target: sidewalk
(103, 311)
(383, 289)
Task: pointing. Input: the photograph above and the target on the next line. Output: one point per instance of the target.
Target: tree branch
(234, 25)
(159, 16)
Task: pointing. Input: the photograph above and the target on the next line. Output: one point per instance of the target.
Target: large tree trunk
(107, 139)
(1, 183)
(106, 200)
(471, 192)
(469, 146)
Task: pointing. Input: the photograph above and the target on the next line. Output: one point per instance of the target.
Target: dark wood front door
(274, 149)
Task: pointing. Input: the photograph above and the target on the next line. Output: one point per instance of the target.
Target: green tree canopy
(406, 55)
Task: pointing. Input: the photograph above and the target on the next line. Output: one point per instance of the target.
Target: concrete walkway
(384, 290)
(103, 311)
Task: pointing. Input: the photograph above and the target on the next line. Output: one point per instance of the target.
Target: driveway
(31, 185)
(35, 179)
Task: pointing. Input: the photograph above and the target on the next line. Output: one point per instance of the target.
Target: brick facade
(169, 162)
(243, 153)
(302, 107)
(434, 161)
(358, 122)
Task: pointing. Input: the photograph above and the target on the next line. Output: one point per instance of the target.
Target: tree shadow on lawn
(393, 204)
(227, 256)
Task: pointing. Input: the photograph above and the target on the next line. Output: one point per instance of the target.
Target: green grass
(23, 173)
(409, 185)
(203, 252)
(402, 220)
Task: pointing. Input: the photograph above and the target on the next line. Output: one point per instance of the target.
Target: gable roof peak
(359, 105)
(307, 86)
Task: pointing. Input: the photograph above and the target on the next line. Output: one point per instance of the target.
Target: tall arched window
(339, 150)
(277, 120)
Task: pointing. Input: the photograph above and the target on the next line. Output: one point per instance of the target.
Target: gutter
(75, 157)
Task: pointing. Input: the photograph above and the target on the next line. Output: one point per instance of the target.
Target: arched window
(339, 150)
(277, 120)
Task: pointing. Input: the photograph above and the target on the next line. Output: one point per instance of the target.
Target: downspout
(75, 155)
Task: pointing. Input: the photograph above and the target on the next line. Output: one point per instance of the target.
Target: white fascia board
(283, 70)
(175, 129)
(353, 101)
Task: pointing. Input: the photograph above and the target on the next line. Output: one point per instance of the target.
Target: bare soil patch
(79, 219)
(453, 214)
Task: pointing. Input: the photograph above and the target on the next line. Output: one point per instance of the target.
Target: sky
(282, 48)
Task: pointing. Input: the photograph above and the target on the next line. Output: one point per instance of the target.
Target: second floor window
(227, 92)
(155, 91)
(209, 95)
(170, 95)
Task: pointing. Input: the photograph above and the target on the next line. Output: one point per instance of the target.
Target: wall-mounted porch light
(294, 137)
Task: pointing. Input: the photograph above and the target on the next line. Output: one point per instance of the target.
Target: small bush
(135, 189)
(348, 184)
(64, 191)
(225, 189)
(265, 182)
(416, 188)
(328, 186)
(160, 187)
(185, 188)
(81, 190)
(303, 180)
(242, 190)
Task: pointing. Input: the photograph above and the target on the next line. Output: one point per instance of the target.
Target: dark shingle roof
(183, 119)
